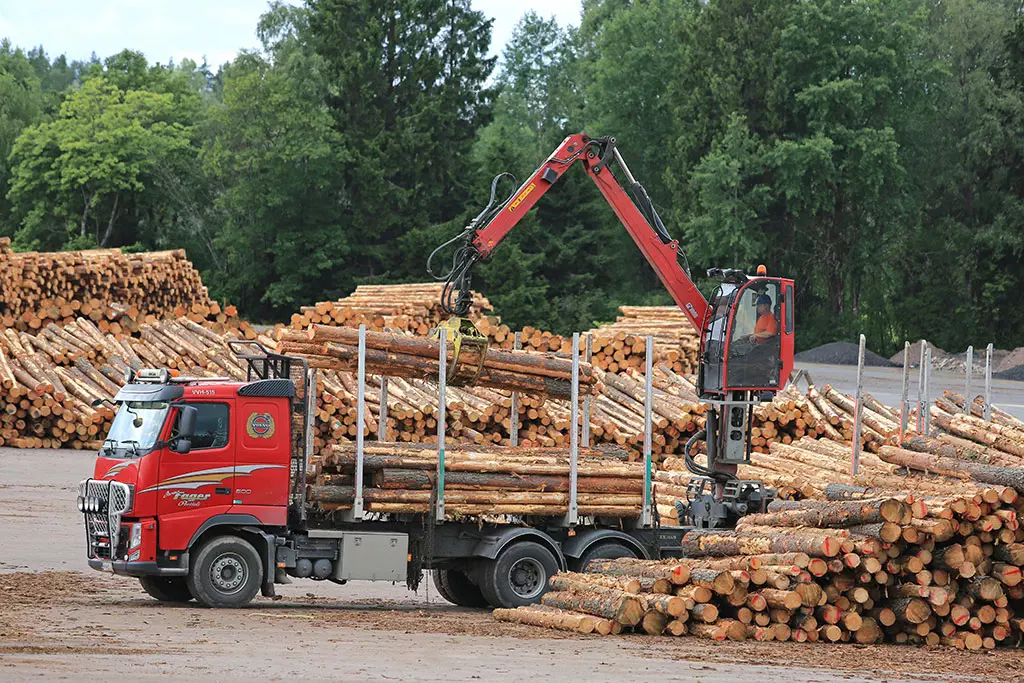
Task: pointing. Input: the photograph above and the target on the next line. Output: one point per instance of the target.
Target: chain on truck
(199, 489)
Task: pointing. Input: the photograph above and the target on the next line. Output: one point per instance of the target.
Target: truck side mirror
(187, 422)
(182, 446)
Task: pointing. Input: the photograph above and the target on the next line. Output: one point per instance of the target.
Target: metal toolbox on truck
(373, 556)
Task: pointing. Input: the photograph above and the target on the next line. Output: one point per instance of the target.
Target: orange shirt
(766, 323)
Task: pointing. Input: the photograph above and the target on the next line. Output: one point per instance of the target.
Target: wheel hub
(228, 573)
(526, 577)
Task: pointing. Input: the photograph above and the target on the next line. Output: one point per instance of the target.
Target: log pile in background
(931, 569)
(482, 415)
(49, 380)
(116, 291)
(413, 308)
(618, 346)
(622, 345)
(401, 355)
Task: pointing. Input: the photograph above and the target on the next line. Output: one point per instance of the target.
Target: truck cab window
(211, 425)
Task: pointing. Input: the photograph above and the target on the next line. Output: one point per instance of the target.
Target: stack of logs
(621, 345)
(478, 480)
(117, 292)
(413, 308)
(49, 380)
(933, 569)
(400, 355)
(482, 415)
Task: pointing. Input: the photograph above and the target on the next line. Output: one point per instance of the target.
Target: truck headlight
(81, 504)
(135, 539)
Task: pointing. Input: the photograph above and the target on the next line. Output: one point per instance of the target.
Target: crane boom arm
(660, 250)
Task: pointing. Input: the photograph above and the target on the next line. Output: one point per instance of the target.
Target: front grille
(103, 528)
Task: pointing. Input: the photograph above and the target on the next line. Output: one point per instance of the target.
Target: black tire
(455, 587)
(166, 589)
(519, 575)
(226, 572)
(609, 550)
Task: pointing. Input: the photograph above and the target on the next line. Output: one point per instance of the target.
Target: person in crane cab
(767, 326)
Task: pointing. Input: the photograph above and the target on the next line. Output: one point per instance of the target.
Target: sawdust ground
(49, 616)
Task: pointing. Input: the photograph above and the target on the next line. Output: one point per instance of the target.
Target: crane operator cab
(748, 329)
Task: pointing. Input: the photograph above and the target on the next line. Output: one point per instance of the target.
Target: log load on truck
(201, 491)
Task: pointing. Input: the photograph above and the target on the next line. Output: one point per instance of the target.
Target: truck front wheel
(455, 587)
(226, 572)
(166, 589)
(518, 575)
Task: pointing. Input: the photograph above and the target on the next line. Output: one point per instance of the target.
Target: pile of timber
(621, 345)
(117, 292)
(479, 480)
(401, 355)
(416, 309)
(483, 415)
(413, 308)
(933, 569)
(48, 380)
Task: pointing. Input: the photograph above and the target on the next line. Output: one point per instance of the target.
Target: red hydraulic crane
(746, 329)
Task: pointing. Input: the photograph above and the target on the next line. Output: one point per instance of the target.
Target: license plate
(106, 566)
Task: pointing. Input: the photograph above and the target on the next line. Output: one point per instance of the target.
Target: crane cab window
(211, 425)
(754, 340)
(716, 324)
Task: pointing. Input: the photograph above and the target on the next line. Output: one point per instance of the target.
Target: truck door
(197, 485)
(263, 425)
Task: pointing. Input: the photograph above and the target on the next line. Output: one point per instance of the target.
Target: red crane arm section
(662, 256)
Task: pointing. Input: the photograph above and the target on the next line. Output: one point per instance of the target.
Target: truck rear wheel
(604, 551)
(455, 587)
(226, 572)
(166, 589)
(518, 575)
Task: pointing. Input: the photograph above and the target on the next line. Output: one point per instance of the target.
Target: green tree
(78, 175)
(21, 105)
(796, 152)
(273, 157)
(558, 268)
(407, 91)
(966, 258)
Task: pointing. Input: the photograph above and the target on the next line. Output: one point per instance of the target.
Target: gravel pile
(1015, 373)
(842, 353)
(915, 354)
(1013, 360)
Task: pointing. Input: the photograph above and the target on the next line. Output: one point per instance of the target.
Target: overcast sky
(165, 30)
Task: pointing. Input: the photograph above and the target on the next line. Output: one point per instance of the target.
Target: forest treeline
(870, 149)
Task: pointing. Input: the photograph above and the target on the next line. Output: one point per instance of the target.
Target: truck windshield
(136, 428)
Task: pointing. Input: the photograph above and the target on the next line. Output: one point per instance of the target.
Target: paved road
(886, 384)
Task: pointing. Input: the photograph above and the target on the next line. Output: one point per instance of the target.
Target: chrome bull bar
(103, 503)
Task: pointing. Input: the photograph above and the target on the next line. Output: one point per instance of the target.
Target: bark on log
(566, 581)
(989, 474)
(618, 606)
(563, 620)
(700, 543)
(390, 478)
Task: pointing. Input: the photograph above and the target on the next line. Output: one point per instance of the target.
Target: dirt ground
(60, 620)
